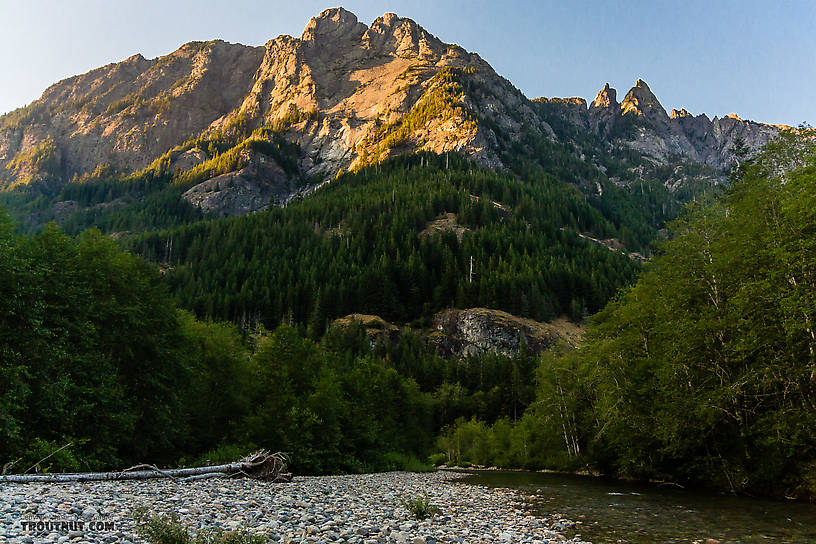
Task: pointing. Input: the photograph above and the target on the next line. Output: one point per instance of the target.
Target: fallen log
(259, 466)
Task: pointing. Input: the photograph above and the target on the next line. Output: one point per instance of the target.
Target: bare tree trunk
(260, 466)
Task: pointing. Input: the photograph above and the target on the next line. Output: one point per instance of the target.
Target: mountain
(342, 96)
(348, 94)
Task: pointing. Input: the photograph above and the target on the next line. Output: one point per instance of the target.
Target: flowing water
(611, 511)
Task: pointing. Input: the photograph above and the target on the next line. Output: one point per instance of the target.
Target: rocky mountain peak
(335, 24)
(677, 114)
(640, 100)
(605, 99)
(391, 34)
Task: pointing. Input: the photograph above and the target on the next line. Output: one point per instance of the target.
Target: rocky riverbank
(357, 509)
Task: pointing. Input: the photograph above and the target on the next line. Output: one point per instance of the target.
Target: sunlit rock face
(346, 93)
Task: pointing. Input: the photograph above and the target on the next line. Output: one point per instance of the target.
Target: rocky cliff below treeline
(457, 334)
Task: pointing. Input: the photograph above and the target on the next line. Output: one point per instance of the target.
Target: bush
(437, 459)
(48, 456)
(421, 507)
(168, 529)
(225, 453)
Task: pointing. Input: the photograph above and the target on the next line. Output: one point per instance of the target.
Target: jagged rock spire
(641, 101)
(606, 98)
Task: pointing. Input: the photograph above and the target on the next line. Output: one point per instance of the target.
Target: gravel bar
(356, 509)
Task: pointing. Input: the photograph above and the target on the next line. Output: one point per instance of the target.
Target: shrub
(437, 459)
(168, 529)
(225, 453)
(421, 507)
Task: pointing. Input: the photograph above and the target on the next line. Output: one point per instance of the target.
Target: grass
(421, 507)
(168, 529)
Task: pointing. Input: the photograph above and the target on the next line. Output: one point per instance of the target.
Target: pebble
(354, 509)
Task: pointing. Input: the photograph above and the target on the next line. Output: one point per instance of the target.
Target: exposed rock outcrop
(378, 330)
(475, 331)
(381, 90)
(345, 94)
(129, 113)
(255, 187)
(462, 333)
(349, 94)
(604, 110)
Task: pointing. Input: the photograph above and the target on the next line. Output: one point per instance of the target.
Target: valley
(366, 248)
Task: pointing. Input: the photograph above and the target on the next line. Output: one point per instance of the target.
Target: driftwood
(259, 466)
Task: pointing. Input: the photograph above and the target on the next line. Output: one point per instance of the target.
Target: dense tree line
(88, 347)
(94, 353)
(703, 372)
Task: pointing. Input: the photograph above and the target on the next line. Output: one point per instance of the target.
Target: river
(613, 512)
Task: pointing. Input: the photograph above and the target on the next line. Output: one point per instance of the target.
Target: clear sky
(755, 58)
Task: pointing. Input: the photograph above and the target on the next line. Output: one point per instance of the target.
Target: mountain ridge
(345, 95)
(659, 135)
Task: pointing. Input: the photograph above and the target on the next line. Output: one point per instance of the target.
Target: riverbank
(354, 509)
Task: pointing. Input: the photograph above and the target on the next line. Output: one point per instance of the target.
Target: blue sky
(755, 58)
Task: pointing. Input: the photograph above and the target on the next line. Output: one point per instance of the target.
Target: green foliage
(233, 158)
(92, 351)
(44, 456)
(168, 529)
(703, 372)
(293, 116)
(420, 507)
(333, 411)
(40, 159)
(406, 463)
(122, 104)
(221, 455)
(437, 459)
(36, 112)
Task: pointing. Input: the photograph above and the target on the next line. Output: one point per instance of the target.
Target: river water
(612, 512)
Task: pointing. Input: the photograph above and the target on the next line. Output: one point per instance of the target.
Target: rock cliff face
(603, 112)
(462, 333)
(129, 113)
(380, 90)
(255, 187)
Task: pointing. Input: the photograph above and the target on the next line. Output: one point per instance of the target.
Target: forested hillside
(363, 245)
